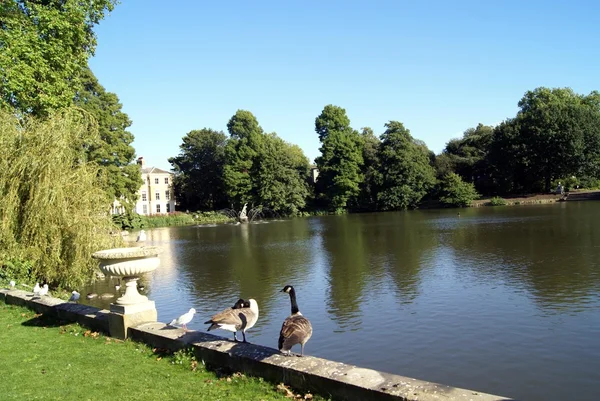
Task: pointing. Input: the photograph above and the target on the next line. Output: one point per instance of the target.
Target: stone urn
(129, 263)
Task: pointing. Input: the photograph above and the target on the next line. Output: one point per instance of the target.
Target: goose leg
(301, 350)
(244, 334)
(234, 336)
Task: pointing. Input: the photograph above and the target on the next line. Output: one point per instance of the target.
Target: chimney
(141, 162)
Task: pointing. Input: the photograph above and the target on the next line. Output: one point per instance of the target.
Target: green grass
(46, 359)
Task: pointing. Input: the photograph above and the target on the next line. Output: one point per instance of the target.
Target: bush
(497, 201)
(453, 191)
(53, 214)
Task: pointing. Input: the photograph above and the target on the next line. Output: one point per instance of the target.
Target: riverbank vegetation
(555, 137)
(59, 354)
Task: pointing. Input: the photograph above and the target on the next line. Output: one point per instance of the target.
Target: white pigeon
(36, 290)
(184, 319)
(12, 284)
(74, 296)
(44, 290)
(141, 236)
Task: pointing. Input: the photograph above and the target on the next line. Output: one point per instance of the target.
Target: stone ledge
(338, 380)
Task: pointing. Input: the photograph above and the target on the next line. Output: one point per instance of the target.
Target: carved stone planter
(132, 308)
(129, 263)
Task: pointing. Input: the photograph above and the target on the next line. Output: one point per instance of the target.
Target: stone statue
(243, 215)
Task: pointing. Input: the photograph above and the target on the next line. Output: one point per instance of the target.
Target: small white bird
(44, 290)
(12, 284)
(184, 319)
(74, 296)
(141, 236)
(118, 285)
(36, 290)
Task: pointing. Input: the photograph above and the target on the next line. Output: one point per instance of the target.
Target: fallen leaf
(159, 358)
(308, 396)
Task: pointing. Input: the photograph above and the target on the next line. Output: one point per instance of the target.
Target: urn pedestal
(132, 308)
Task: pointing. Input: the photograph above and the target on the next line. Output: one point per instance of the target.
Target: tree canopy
(113, 151)
(44, 45)
(406, 173)
(341, 158)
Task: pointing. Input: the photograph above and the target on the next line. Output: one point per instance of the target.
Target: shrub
(454, 191)
(497, 201)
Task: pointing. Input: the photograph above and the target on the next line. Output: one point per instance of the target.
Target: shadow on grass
(43, 320)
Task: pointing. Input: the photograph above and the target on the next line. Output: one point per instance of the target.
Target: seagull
(36, 290)
(44, 290)
(184, 319)
(12, 284)
(141, 236)
(74, 297)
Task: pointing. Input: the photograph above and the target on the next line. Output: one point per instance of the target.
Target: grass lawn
(41, 358)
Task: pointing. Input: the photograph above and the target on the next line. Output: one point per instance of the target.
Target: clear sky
(439, 67)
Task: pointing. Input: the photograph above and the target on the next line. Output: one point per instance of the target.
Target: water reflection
(495, 296)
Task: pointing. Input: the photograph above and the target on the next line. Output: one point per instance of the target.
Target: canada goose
(184, 319)
(242, 316)
(296, 329)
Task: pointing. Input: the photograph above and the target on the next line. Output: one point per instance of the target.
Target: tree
(43, 47)
(113, 152)
(469, 156)
(454, 191)
(283, 176)
(198, 170)
(341, 158)
(405, 169)
(242, 158)
(555, 134)
(367, 197)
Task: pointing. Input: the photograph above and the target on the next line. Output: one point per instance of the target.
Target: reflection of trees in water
(364, 251)
(247, 260)
(551, 251)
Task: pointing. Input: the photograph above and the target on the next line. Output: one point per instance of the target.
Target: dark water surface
(503, 300)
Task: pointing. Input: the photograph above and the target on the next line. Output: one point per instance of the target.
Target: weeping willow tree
(53, 214)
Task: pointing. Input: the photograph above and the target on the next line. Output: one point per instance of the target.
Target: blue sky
(439, 67)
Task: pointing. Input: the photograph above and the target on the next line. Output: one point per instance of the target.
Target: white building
(156, 193)
(155, 196)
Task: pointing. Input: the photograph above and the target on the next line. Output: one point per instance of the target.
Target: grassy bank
(51, 360)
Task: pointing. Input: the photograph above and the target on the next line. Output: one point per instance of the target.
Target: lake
(503, 300)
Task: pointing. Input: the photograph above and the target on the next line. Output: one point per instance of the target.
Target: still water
(503, 300)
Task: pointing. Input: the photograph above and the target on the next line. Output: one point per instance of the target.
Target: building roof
(154, 170)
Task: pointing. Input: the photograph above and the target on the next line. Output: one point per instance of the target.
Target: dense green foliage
(341, 158)
(497, 201)
(406, 173)
(213, 171)
(63, 360)
(52, 214)
(43, 47)
(199, 181)
(113, 153)
(453, 191)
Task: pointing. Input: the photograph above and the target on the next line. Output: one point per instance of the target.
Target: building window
(157, 196)
(144, 209)
(156, 180)
(158, 208)
(167, 195)
(168, 208)
(166, 180)
(144, 197)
